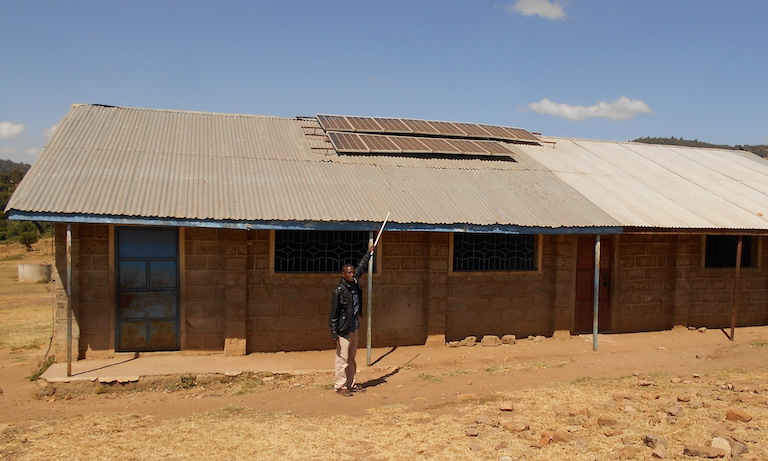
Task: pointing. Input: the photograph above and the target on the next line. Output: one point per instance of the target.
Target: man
(346, 309)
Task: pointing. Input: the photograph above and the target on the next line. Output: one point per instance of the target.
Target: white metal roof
(118, 164)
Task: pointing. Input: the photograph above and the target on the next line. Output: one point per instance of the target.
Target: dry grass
(397, 432)
(26, 309)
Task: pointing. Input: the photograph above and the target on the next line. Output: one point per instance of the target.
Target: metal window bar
(494, 252)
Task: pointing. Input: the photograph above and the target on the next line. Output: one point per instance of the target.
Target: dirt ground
(538, 399)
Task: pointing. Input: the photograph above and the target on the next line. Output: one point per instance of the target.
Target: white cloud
(544, 8)
(620, 109)
(32, 152)
(10, 129)
(48, 132)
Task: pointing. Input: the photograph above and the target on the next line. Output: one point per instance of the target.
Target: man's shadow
(383, 379)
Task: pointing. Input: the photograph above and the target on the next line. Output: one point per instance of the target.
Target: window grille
(721, 251)
(494, 252)
(318, 251)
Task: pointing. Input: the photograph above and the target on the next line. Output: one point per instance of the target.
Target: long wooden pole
(370, 304)
(734, 307)
(370, 290)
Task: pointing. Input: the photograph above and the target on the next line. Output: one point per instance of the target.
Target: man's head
(348, 272)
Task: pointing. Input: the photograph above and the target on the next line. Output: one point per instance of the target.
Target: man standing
(346, 309)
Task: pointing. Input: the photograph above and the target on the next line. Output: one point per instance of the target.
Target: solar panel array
(405, 126)
(384, 144)
(380, 135)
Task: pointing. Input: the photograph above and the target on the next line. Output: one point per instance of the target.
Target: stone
(490, 341)
(508, 339)
(653, 441)
(562, 436)
(472, 431)
(703, 330)
(606, 421)
(453, 343)
(675, 410)
(611, 432)
(515, 426)
(475, 447)
(721, 443)
(469, 341)
(737, 448)
(659, 453)
(703, 452)
(737, 414)
(684, 398)
(545, 439)
(506, 405)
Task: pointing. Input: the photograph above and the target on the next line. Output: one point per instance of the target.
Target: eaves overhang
(304, 225)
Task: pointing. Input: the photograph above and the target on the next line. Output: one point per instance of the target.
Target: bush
(28, 239)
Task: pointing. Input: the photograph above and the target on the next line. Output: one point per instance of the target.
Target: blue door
(147, 289)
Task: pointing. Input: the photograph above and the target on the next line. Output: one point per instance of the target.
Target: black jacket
(341, 317)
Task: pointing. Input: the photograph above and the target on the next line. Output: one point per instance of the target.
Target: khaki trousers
(346, 366)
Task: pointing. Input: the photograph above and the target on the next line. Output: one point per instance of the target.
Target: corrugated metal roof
(229, 169)
(655, 186)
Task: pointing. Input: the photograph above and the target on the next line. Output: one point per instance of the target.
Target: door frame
(114, 263)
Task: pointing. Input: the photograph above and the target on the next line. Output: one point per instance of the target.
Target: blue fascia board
(305, 225)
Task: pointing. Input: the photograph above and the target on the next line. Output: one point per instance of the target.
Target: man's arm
(363, 264)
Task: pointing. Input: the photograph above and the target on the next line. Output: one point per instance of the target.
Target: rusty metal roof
(133, 165)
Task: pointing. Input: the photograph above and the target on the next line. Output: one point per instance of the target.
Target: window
(721, 251)
(494, 252)
(318, 251)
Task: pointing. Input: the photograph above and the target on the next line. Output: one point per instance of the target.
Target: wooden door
(585, 284)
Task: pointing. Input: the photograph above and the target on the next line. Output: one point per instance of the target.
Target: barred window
(721, 251)
(318, 251)
(494, 252)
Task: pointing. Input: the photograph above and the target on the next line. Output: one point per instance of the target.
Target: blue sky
(597, 69)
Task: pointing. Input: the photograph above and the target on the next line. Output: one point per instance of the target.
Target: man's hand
(371, 249)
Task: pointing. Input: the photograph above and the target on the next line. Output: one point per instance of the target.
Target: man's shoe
(357, 388)
(344, 392)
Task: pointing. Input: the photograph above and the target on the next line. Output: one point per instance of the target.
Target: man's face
(348, 273)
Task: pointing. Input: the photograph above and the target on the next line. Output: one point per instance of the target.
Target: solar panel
(421, 126)
(441, 146)
(364, 125)
(474, 130)
(334, 123)
(520, 134)
(494, 147)
(347, 142)
(393, 125)
(411, 145)
(378, 143)
(447, 129)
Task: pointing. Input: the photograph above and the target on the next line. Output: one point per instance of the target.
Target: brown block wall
(661, 282)
(519, 303)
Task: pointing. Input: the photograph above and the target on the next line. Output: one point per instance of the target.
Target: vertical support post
(69, 299)
(735, 286)
(596, 293)
(370, 302)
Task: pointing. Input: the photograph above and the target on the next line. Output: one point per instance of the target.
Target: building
(207, 232)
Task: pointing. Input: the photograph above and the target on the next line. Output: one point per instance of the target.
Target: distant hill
(9, 166)
(760, 149)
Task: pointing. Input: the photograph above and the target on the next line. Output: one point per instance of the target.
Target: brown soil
(422, 402)
(427, 377)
